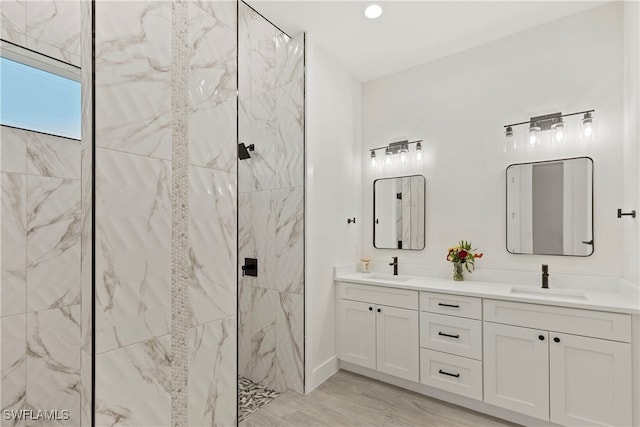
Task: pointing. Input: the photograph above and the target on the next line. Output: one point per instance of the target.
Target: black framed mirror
(550, 207)
(399, 212)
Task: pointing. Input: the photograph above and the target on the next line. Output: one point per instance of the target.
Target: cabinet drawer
(454, 305)
(392, 297)
(451, 373)
(598, 324)
(455, 335)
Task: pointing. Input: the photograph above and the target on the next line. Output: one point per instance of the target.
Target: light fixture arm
(394, 147)
(548, 118)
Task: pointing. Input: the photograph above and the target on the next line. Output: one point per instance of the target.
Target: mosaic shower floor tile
(252, 396)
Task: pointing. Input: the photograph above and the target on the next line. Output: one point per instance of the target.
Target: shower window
(39, 93)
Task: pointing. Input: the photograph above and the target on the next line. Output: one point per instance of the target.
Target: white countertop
(619, 298)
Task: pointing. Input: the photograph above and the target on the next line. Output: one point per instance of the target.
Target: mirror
(550, 207)
(398, 212)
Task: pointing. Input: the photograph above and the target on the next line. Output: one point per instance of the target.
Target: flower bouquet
(462, 255)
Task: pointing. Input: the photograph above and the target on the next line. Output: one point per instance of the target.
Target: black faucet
(395, 265)
(545, 276)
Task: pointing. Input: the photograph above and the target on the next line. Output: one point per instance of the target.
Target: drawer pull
(448, 335)
(448, 305)
(440, 371)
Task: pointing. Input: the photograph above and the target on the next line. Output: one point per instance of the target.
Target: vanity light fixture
(553, 122)
(559, 132)
(419, 151)
(534, 130)
(510, 140)
(387, 158)
(373, 11)
(588, 126)
(400, 148)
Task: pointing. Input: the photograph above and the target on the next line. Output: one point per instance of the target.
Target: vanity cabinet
(568, 366)
(376, 335)
(451, 343)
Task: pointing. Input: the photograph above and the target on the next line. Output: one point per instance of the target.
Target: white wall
(459, 105)
(333, 98)
(631, 137)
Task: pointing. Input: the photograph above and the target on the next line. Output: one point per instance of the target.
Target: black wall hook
(351, 220)
(632, 214)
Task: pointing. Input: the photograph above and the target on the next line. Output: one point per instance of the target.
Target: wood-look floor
(348, 399)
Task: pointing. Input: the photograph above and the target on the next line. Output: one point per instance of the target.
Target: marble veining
(134, 385)
(13, 367)
(289, 58)
(271, 203)
(212, 64)
(289, 342)
(289, 237)
(13, 287)
(245, 295)
(212, 373)
(212, 237)
(53, 242)
(133, 77)
(14, 21)
(263, 232)
(258, 127)
(53, 156)
(264, 303)
(212, 136)
(289, 143)
(14, 148)
(53, 362)
(133, 249)
(53, 28)
(86, 237)
(224, 11)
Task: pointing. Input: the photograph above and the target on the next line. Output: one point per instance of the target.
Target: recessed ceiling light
(373, 11)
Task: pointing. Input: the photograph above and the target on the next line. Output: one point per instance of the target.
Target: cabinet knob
(541, 337)
(556, 339)
(370, 308)
(379, 310)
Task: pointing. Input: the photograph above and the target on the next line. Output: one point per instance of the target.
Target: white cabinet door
(590, 381)
(516, 369)
(398, 345)
(357, 331)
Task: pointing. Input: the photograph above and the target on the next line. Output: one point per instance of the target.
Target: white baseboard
(321, 373)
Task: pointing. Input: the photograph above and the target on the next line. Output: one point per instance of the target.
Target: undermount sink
(557, 293)
(389, 277)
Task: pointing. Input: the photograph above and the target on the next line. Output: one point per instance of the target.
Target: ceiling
(408, 33)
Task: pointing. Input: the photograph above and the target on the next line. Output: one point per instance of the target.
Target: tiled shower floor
(252, 396)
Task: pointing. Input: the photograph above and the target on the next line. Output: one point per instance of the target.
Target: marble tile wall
(86, 216)
(51, 27)
(41, 236)
(134, 171)
(271, 203)
(40, 266)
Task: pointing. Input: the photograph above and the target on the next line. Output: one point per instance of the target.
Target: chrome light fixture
(559, 132)
(399, 148)
(534, 130)
(419, 151)
(553, 122)
(588, 126)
